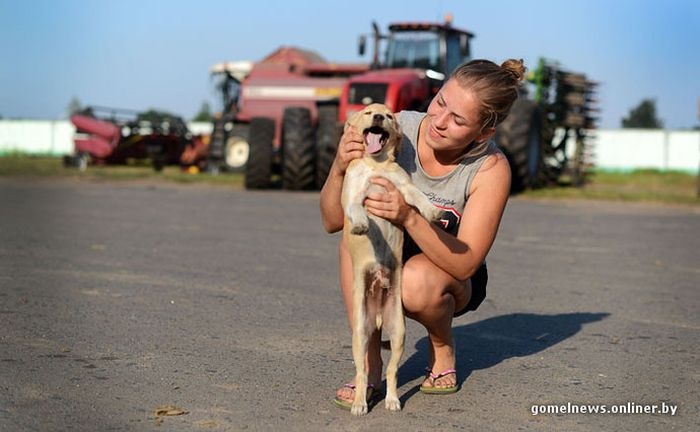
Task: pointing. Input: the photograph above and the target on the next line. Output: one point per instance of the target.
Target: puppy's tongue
(373, 142)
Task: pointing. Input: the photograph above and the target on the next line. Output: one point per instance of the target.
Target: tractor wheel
(298, 153)
(327, 138)
(237, 149)
(258, 170)
(159, 162)
(520, 138)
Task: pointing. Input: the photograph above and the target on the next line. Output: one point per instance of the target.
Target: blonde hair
(495, 87)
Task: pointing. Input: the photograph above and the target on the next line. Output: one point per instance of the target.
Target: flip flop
(439, 390)
(340, 403)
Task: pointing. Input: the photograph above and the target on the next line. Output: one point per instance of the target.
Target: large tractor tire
(258, 169)
(236, 149)
(328, 134)
(520, 138)
(298, 150)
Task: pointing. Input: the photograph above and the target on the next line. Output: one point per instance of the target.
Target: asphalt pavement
(119, 299)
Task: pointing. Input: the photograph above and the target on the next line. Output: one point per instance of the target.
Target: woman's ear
(486, 135)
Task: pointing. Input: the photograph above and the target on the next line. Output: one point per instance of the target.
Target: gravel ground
(117, 299)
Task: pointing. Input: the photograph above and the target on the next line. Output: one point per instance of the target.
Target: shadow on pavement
(486, 343)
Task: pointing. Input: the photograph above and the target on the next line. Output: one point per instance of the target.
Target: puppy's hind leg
(395, 327)
(360, 342)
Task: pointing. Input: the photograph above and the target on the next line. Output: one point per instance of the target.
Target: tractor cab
(436, 48)
(418, 58)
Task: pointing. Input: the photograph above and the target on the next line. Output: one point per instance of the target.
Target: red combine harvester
(112, 136)
(277, 106)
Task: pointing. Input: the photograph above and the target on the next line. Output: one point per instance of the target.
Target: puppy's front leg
(417, 199)
(357, 215)
(414, 197)
(354, 205)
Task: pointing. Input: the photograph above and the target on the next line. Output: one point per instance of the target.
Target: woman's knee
(421, 288)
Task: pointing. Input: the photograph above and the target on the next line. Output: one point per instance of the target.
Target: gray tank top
(449, 192)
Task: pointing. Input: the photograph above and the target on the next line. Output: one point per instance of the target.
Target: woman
(449, 154)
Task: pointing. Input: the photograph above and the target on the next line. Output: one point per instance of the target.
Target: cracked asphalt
(120, 298)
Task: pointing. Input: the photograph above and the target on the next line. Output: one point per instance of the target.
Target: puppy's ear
(352, 119)
(399, 133)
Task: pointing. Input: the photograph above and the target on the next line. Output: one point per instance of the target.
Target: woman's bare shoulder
(494, 171)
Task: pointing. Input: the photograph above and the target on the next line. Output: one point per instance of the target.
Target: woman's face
(453, 119)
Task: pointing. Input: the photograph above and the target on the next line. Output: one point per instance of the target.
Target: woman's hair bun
(515, 67)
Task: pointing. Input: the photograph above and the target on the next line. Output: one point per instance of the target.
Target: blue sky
(143, 54)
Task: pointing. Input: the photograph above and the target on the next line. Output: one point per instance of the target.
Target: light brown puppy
(375, 246)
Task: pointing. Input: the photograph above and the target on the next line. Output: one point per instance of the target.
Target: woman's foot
(442, 376)
(346, 394)
(444, 382)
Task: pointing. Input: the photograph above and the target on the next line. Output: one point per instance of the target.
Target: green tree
(643, 116)
(204, 114)
(155, 115)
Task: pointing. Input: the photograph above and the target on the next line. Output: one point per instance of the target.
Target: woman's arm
(351, 147)
(462, 255)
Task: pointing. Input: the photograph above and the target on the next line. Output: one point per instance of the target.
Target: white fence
(36, 137)
(51, 137)
(614, 149)
(624, 149)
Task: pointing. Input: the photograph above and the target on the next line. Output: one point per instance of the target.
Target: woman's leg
(374, 357)
(431, 296)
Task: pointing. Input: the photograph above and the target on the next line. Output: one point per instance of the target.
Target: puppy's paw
(360, 228)
(432, 213)
(359, 223)
(359, 409)
(392, 404)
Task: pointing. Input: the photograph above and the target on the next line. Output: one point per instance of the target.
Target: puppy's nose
(378, 118)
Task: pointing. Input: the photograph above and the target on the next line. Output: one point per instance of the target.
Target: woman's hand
(389, 205)
(350, 147)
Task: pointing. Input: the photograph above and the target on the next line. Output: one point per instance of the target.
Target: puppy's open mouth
(375, 137)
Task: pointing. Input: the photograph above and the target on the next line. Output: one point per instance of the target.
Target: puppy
(375, 246)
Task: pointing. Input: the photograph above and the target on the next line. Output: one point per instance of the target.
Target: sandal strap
(352, 386)
(442, 374)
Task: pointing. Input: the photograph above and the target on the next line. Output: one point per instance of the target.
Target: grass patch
(636, 186)
(29, 166)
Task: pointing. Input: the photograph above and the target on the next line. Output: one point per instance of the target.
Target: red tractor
(420, 56)
(288, 114)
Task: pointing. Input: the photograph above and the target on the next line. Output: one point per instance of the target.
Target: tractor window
(414, 50)
(454, 54)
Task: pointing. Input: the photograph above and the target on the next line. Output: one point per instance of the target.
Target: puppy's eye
(389, 116)
(367, 113)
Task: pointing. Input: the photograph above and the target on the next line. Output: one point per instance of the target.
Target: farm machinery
(271, 116)
(285, 116)
(114, 136)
